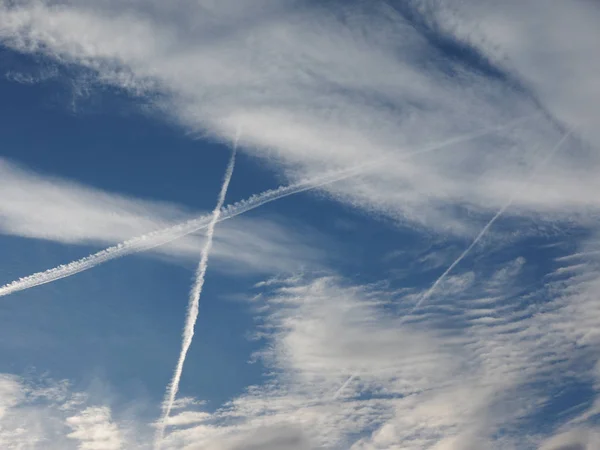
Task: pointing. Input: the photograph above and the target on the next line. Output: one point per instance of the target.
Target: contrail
(194, 301)
(485, 229)
(162, 237)
(343, 386)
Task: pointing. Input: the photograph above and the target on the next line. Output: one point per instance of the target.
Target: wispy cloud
(43, 413)
(528, 41)
(313, 92)
(94, 429)
(446, 387)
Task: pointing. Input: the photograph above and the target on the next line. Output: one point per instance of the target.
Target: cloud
(321, 87)
(10, 393)
(268, 438)
(528, 40)
(44, 207)
(28, 78)
(581, 439)
(94, 430)
(186, 418)
(315, 334)
(44, 413)
(450, 382)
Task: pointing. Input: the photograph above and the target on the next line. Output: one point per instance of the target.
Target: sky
(299, 225)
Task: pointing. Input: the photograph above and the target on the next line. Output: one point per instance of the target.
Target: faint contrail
(343, 386)
(167, 235)
(194, 301)
(485, 229)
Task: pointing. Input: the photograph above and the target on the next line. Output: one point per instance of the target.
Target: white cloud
(550, 48)
(43, 207)
(10, 393)
(449, 383)
(94, 430)
(45, 414)
(187, 418)
(315, 88)
(581, 439)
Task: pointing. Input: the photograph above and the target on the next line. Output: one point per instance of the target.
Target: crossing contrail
(194, 302)
(164, 236)
(457, 261)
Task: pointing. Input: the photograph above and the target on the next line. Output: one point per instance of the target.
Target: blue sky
(407, 256)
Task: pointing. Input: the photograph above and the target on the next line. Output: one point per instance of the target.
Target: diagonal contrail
(484, 230)
(162, 237)
(194, 302)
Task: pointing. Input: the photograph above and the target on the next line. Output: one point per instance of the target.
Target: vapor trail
(485, 229)
(343, 386)
(194, 301)
(170, 234)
